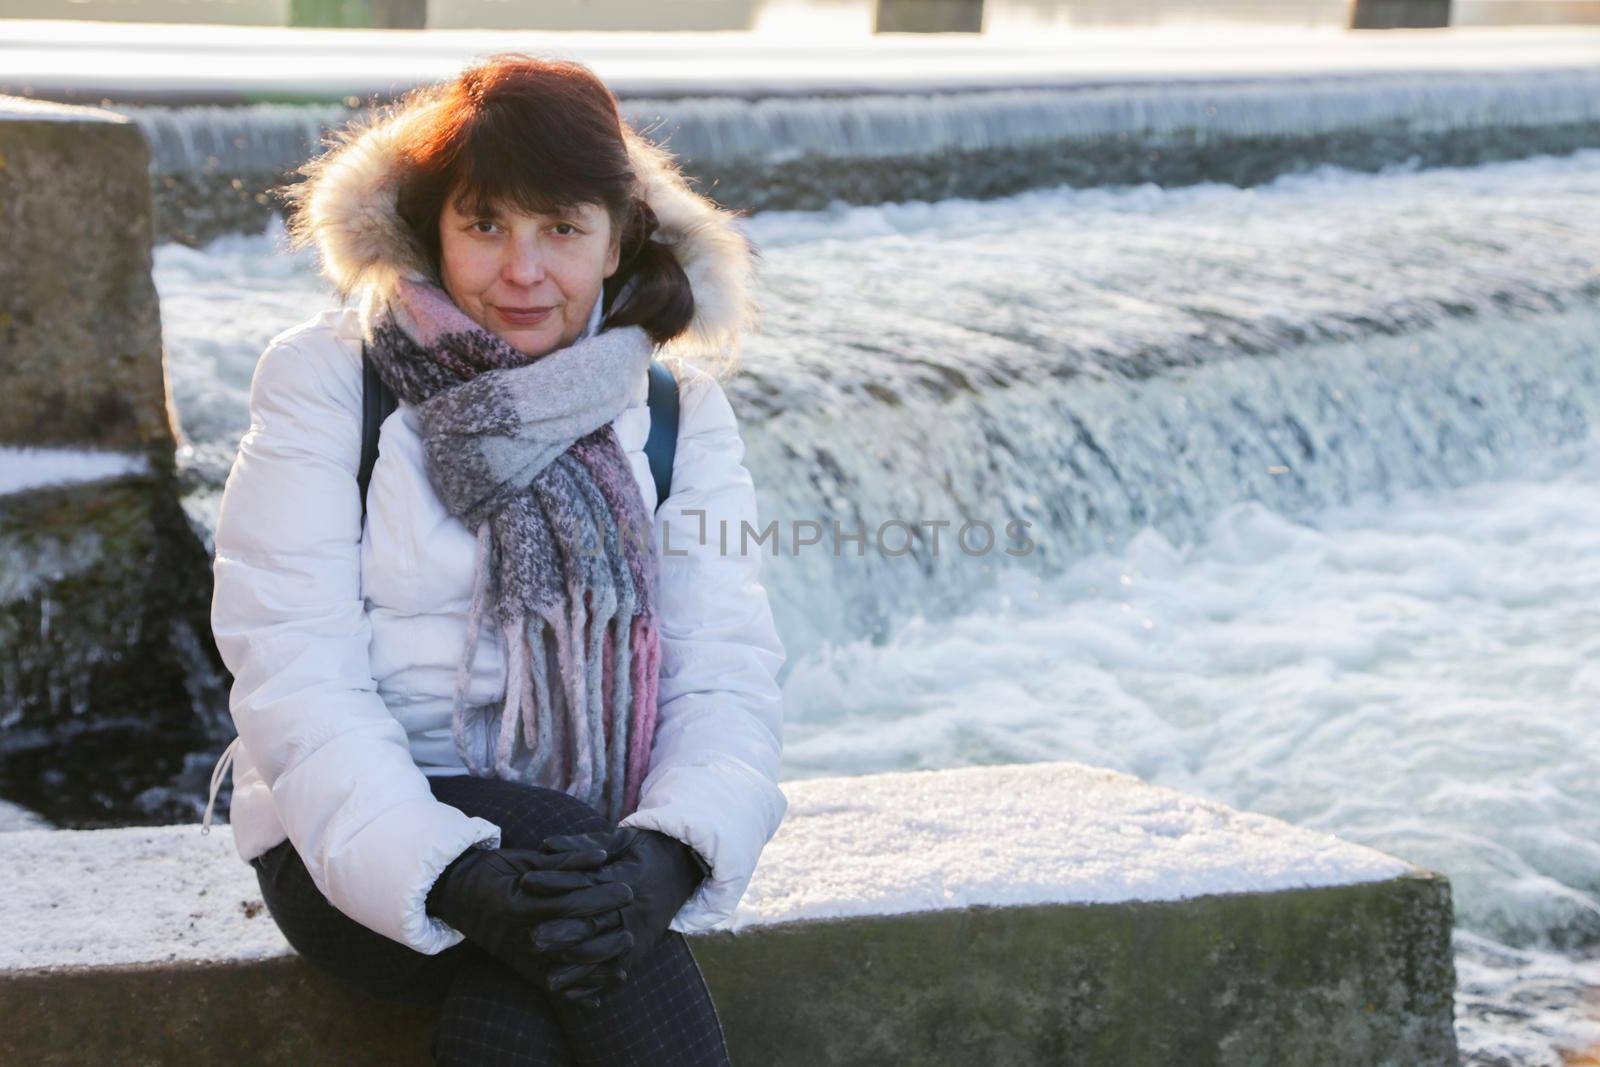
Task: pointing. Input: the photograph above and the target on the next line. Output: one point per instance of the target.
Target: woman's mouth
(523, 316)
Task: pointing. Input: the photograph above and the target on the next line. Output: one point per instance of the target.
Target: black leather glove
(661, 872)
(481, 894)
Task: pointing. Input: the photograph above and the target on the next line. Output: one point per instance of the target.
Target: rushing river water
(1312, 470)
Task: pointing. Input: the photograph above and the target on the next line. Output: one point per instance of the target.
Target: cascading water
(1095, 362)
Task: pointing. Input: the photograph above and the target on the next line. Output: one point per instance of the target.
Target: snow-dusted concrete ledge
(1041, 913)
(23, 468)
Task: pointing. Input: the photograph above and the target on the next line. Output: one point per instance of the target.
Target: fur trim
(346, 209)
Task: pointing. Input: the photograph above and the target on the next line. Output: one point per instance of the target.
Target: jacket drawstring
(224, 763)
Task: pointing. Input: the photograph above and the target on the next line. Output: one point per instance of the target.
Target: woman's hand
(481, 893)
(660, 871)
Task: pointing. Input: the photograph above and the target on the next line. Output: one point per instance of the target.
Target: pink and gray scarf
(522, 452)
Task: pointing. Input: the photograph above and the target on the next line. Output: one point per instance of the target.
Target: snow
(1034, 833)
(129, 895)
(30, 468)
(20, 107)
(13, 817)
(1059, 832)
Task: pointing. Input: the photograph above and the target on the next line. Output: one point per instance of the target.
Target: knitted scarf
(522, 452)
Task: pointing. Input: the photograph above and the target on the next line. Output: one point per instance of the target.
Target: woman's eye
(481, 222)
(568, 225)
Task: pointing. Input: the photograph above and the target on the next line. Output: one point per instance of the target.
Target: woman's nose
(524, 264)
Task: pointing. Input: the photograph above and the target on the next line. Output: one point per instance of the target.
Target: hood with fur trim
(346, 208)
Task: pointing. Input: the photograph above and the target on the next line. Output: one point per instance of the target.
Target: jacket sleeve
(712, 781)
(291, 625)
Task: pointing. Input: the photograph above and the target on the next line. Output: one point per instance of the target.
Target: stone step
(1034, 913)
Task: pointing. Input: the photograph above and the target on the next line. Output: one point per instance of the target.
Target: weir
(212, 167)
(977, 117)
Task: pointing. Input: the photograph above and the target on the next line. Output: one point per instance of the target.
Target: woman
(501, 747)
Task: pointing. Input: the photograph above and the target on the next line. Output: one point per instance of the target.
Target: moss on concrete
(1358, 974)
(105, 596)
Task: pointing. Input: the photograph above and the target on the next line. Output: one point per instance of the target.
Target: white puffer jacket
(344, 640)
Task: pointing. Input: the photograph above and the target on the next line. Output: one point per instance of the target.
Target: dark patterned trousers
(662, 1014)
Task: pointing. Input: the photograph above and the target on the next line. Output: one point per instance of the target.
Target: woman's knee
(493, 1015)
(342, 948)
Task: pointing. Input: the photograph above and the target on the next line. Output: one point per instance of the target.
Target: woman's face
(503, 268)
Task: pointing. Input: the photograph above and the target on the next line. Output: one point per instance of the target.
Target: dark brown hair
(541, 135)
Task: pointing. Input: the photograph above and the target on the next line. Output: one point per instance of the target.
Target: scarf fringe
(610, 693)
(645, 678)
(617, 655)
(595, 709)
(515, 634)
(539, 713)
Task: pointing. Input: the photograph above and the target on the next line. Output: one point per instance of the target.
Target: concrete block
(104, 584)
(1040, 913)
(80, 326)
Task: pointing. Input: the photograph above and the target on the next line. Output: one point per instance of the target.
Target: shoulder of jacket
(336, 326)
(324, 350)
(702, 402)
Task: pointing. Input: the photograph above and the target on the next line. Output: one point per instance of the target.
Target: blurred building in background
(969, 16)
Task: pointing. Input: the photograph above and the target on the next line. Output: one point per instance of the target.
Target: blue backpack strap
(662, 443)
